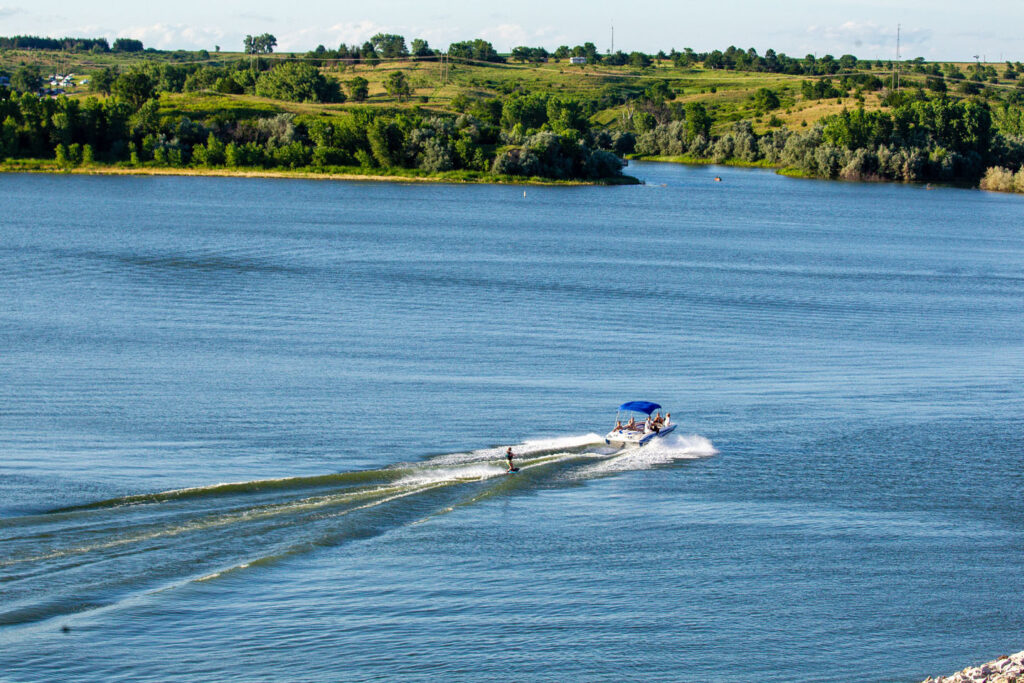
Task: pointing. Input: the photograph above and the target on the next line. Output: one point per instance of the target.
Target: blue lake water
(251, 429)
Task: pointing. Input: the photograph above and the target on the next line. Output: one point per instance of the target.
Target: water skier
(508, 456)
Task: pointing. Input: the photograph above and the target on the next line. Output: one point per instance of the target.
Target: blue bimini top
(640, 406)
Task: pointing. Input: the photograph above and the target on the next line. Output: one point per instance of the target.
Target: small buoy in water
(65, 628)
(524, 193)
(718, 179)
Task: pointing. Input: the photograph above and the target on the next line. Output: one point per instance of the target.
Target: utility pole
(896, 64)
(611, 50)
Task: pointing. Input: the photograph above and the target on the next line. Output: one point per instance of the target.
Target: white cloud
(504, 37)
(10, 11)
(180, 37)
(869, 38)
(350, 33)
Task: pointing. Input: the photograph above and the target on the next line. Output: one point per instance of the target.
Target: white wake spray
(528, 448)
(658, 452)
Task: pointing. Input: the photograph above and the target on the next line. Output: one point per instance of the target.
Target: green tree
(27, 79)
(145, 121)
(212, 154)
(262, 44)
(389, 46)
(478, 50)
(386, 142)
(62, 127)
(9, 137)
(566, 116)
(127, 45)
(102, 81)
(714, 60)
(847, 62)
(61, 155)
(368, 53)
(529, 111)
(398, 85)
(698, 121)
(298, 82)
(134, 88)
(658, 92)
(639, 60)
(420, 48)
(358, 88)
(765, 99)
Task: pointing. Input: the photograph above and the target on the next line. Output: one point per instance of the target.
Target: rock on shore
(1005, 669)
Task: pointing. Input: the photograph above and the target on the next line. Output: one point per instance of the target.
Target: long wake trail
(93, 555)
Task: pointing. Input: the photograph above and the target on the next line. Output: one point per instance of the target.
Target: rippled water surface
(251, 429)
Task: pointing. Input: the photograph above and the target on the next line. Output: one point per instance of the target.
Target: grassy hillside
(612, 98)
(445, 86)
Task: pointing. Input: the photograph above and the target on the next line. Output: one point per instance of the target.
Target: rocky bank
(1005, 669)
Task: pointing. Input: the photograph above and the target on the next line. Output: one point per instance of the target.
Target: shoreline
(302, 174)
(791, 172)
(1003, 669)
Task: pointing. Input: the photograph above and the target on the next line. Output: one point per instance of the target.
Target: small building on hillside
(577, 60)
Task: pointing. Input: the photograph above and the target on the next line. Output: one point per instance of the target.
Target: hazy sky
(934, 29)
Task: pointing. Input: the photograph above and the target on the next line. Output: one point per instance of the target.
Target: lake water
(251, 429)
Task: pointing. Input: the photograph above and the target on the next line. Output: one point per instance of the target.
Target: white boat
(644, 429)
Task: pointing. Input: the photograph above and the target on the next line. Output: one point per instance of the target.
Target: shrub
(298, 82)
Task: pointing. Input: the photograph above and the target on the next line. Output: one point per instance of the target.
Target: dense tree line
(66, 44)
(535, 136)
(262, 44)
(477, 50)
(127, 45)
(922, 140)
(380, 46)
(283, 80)
(732, 58)
(771, 62)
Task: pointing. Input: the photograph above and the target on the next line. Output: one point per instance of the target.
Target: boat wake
(656, 453)
(97, 554)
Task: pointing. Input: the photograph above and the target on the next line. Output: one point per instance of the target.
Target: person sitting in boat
(651, 425)
(668, 418)
(618, 426)
(658, 419)
(631, 424)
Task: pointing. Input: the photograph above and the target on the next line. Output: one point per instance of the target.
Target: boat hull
(625, 437)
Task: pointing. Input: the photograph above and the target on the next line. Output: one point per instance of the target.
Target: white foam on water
(559, 443)
(524, 449)
(658, 452)
(436, 475)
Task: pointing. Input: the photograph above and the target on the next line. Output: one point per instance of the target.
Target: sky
(934, 29)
